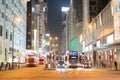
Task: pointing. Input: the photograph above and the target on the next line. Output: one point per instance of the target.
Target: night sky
(54, 16)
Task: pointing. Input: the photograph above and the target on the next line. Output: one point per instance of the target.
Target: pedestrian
(7, 66)
(1, 66)
(18, 65)
(115, 63)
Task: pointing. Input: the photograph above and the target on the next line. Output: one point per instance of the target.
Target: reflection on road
(77, 69)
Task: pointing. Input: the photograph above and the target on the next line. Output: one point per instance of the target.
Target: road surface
(39, 73)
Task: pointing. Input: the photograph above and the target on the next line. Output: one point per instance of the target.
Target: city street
(50, 39)
(39, 73)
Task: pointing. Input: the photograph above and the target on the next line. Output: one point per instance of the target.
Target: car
(41, 61)
(61, 64)
(80, 65)
(88, 64)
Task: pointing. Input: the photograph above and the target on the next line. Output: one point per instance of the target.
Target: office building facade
(36, 24)
(12, 33)
(102, 36)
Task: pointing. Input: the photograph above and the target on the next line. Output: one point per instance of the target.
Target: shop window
(110, 39)
(97, 44)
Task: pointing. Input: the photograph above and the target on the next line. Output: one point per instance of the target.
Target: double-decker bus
(73, 59)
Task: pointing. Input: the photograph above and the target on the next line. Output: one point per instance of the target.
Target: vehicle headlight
(63, 64)
(58, 64)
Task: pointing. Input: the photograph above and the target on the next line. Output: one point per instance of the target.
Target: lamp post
(54, 43)
(15, 19)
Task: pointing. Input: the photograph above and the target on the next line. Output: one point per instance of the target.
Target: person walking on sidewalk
(115, 63)
(6, 66)
(1, 66)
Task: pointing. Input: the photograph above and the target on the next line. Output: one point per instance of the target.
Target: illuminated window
(29, 33)
(110, 39)
(98, 43)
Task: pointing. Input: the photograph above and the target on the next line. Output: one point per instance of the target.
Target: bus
(32, 60)
(73, 59)
(85, 62)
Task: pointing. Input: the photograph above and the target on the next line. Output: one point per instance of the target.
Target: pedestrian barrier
(49, 66)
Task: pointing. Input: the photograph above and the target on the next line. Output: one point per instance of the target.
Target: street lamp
(16, 19)
(54, 44)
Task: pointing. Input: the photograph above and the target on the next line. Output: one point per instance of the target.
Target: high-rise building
(91, 8)
(74, 24)
(29, 23)
(96, 6)
(96, 28)
(37, 21)
(64, 36)
(81, 13)
(12, 32)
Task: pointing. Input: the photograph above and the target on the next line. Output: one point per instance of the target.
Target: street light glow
(16, 19)
(90, 26)
(47, 35)
(50, 38)
(56, 45)
(56, 38)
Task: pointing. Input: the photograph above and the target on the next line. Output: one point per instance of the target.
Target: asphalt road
(39, 73)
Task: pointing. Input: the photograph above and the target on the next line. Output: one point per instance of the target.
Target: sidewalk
(5, 67)
(104, 69)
